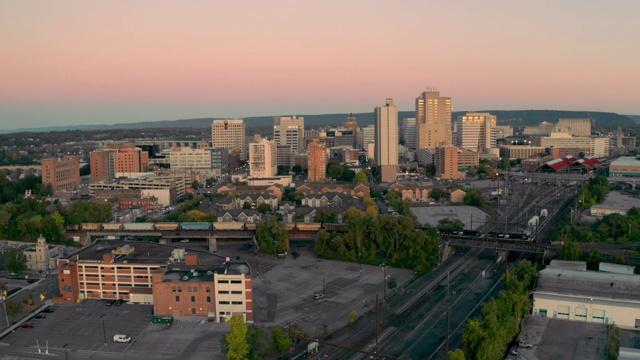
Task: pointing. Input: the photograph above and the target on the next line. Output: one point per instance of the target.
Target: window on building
(223, 303)
(188, 288)
(173, 289)
(236, 292)
(193, 299)
(177, 298)
(208, 299)
(208, 289)
(236, 302)
(179, 288)
(193, 311)
(195, 289)
(236, 281)
(223, 292)
(223, 281)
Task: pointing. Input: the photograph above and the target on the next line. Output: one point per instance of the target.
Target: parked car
(524, 344)
(40, 316)
(111, 302)
(318, 296)
(121, 338)
(48, 310)
(119, 302)
(26, 325)
(12, 274)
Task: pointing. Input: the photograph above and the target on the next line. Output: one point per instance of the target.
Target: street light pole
(104, 333)
(4, 303)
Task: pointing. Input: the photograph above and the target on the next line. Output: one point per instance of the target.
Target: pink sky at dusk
(102, 62)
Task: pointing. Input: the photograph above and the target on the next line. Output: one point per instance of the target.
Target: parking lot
(86, 330)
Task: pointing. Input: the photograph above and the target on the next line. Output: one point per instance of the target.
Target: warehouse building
(568, 291)
(625, 166)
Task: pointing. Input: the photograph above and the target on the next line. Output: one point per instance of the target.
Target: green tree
(13, 307)
(353, 316)
(437, 194)
(334, 170)
(325, 216)
(297, 169)
(457, 355)
(280, 341)
(246, 205)
(283, 170)
(570, 251)
(15, 261)
(360, 178)
(237, 339)
(430, 169)
(272, 237)
(264, 208)
(392, 284)
(448, 223)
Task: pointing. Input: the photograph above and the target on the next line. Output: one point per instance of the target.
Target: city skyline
(85, 63)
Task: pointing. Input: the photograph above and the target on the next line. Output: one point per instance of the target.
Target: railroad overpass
(167, 236)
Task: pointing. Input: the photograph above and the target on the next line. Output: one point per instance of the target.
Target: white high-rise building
(368, 135)
(578, 127)
(229, 134)
(410, 132)
(289, 131)
(476, 130)
(263, 157)
(386, 140)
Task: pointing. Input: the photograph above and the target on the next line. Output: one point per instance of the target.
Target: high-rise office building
(263, 157)
(212, 163)
(289, 131)
(578, 127)
(368, 135)
(476, 130)
(386, 132)
(317, 152)
(352, 124)
(409, 132)
(229, 134)
(61, 173)
(433, 115)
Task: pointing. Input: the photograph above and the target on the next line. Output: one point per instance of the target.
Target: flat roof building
(625, 166)
(184, 284)
(229, 134)
(588, 296)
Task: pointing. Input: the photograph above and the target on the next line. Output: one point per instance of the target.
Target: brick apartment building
(177, 283)
(61, 173)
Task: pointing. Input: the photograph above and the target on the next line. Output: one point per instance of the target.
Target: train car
(111, 227)
(474, 233)
(450, 231)
(195, 226)
(72, 227)
(138, 226)
(90, 226)
(228, 225)
(250, 226)
(495, 234)
(309, 227)
(515, 236)
(167, 226)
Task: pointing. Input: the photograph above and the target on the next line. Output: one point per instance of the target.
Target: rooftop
(589, 283)
(627, 160)
(143, 253)
(616, 200)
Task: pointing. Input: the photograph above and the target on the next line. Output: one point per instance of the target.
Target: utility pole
(4, 304)
(377, 324)
(104, 333)
(446, 351)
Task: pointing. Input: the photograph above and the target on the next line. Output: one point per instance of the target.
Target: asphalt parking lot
(78, 331)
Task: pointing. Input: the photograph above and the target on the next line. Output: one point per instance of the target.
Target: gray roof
(589, 283)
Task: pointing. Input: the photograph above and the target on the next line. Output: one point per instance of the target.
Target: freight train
(176, 226)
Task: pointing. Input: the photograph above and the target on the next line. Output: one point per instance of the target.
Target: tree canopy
(237, 339)
(272, 237)
(377, 239)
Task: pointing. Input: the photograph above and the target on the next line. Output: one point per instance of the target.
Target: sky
(104, 62)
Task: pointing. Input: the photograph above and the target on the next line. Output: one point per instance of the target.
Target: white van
(121, 338)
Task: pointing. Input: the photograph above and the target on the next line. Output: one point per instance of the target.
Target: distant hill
(505, 117)
(635, 118)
